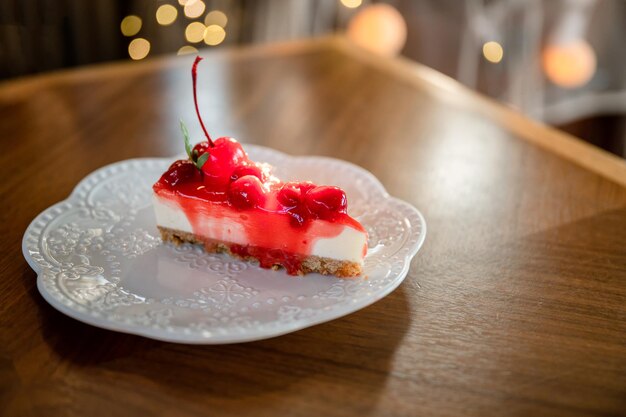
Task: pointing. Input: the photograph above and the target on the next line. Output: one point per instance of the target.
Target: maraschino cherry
(305, 201)
(326, 202)
(180, 172)
(248, 169)
(224, 169)
(224, 157)
(199, 149)
(246, 192)
(225, 154)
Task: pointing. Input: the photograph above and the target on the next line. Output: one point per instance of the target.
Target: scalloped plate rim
(156, 334)
(194, 338)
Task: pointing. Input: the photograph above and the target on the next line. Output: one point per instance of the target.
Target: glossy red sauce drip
(270, 257)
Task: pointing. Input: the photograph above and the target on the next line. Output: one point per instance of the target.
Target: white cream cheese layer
(347, 246)
(169, 214)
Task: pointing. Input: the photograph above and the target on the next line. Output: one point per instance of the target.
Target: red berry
(199, 149)
(292, 193)
(306, 186)
(224, 157)
(246, 192)
(289, 195)
(180, 171)
(292, 197)
(326, 202)
(247, 169)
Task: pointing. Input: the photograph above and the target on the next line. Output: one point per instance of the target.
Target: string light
(166, 14)
(131, 25)
(379, 28)
(186, 50)
(194, 32)
(570, 64)
(194, 9)
(351, 4)
(216, 17)
(493, 52)
(138, 48)
(214, 35)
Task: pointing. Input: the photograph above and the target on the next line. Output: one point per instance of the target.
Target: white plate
(100, 260)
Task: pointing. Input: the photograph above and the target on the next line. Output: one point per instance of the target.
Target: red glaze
(266, 209)
(270, 257)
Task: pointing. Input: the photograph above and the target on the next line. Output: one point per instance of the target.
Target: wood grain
(515, 306)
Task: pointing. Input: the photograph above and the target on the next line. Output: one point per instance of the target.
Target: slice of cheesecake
(223, 200)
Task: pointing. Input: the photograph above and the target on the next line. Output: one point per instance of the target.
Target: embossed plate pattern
(99, 259)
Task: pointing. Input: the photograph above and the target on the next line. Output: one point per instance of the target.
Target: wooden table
(516, 305)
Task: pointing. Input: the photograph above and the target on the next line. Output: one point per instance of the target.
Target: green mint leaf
(202, 159)
(186, 136)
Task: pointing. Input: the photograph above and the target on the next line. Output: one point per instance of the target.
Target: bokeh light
(186, 50)
(138, 48)
(194, 8)
(194, 32)
(493, 52)
(131, 25)
(351, 3)
(166, 14)
(214, 35)
(569, 65)
(216, 17)
(379, 28)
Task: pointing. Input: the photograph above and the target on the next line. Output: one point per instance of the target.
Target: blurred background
(562, 62)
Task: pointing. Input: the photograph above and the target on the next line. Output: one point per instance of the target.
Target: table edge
(24, 84)
(556, 141)
(420, 76)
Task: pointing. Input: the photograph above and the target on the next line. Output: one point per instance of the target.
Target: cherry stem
(194, 76)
